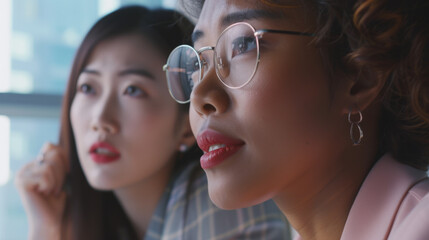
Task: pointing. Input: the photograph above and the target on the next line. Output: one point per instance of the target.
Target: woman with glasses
(322, 106)
(128, 149)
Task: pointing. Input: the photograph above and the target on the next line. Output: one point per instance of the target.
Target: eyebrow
(242, 16)
(140, 72)
(131, 71)
(90, 71)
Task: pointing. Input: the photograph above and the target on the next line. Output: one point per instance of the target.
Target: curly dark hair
(384, 39)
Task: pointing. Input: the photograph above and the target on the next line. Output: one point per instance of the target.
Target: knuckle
(47, 146)
(45, 178)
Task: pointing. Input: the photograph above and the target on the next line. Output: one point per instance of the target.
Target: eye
(243, 45)
(192, 70)
(86, 89)
(192, 65)
(134, 91)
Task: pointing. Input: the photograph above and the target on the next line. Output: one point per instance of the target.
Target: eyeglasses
(236, 58)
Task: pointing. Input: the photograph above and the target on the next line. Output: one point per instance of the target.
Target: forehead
(126, 42)
(128, 49)
(218, 12)
(216, 15)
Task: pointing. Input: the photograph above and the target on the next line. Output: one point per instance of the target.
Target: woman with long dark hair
(324, 103)
(127, 147)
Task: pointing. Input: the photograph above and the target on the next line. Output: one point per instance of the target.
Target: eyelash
(133, 89)
(243, 45)
(86, 89)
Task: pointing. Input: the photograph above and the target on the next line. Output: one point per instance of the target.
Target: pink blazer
(392, 204)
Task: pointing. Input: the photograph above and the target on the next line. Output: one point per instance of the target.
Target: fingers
(58, 154)
(55, 161)
(26, 178)
(46, 174)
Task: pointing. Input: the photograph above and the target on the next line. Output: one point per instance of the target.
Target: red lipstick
(102, 152)
(217, 147)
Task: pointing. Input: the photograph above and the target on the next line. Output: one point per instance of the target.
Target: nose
(210, 96)
(104, 120)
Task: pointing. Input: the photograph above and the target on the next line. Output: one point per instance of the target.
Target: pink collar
(376, 205)
(379, 198)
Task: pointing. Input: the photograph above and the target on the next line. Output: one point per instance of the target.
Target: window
(39, 40)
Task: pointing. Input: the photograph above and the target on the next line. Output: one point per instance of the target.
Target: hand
(40, 185)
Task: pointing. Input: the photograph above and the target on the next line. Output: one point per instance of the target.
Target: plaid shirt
(204, 221)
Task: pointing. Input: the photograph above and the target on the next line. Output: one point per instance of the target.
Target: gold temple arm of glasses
(260, 33)
(167, 68)
(205, 49)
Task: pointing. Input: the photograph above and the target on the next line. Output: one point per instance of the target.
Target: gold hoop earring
(354, 124)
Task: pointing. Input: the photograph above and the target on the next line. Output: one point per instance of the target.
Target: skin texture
(122, 100)
(127, 110)
(136, 115)
(40, 188)
(292, 120)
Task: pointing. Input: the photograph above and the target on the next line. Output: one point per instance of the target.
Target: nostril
(209, 108)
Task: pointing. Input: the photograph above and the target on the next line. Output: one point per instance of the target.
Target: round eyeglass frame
(201, 62)
(166, 69)
(257, 34)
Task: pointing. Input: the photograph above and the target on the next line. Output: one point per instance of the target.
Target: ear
(186, 136)
(362, 92)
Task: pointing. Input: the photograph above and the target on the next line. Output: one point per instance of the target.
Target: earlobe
(187, 139)
(362, 92)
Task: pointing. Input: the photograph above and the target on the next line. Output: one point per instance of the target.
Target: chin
(102, 184)
(224, 202)
(229, 199)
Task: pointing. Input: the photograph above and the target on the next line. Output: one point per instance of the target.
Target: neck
(318, 206)
(140, 199)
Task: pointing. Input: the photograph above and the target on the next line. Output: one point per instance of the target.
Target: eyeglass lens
(235, 60)
(184, 69)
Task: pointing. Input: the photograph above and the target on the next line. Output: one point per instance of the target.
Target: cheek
(74, 112)
(146, 118)
(150, 144)
(301, 88)
(149, 128)
(195, 120)
(79, 120)
(292, 101)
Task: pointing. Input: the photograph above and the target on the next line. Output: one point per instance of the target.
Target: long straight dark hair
(97, 214)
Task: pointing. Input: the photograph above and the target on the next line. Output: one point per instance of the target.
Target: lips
(217, 147)
(102, 152)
